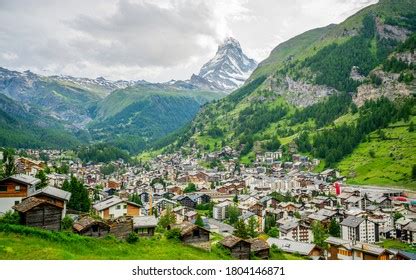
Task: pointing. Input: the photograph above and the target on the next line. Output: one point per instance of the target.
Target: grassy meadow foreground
(25, 243)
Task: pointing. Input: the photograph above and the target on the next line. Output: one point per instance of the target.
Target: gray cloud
(149, 39)
(144, 34)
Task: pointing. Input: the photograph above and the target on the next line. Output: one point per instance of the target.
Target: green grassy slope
(290, 49)
(18, 247)
(392, 161)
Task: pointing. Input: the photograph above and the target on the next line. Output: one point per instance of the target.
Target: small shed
(145, 225)
(89, 226)
(191, 233)
(239, 248)
(121, 227)
(40, 213)
(259, 248)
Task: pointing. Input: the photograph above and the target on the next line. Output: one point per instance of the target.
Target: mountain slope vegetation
(297, 97)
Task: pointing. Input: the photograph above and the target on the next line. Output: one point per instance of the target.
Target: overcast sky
(155, 40)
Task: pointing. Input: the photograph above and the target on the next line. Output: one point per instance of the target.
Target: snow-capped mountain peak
(229, 68)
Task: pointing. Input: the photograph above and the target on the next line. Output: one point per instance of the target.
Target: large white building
(359, 229)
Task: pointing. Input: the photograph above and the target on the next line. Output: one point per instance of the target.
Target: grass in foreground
(36, 244)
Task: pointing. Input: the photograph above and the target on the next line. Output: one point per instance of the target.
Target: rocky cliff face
(298, 93)
(390, 87)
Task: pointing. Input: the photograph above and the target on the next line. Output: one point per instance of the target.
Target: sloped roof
(53, 192)
(24, 179)
(144, 221)
(410, 227)
(29, 203)
(87, 221)
(231, 240)
(352, 221)
(186, 227)
(258, 244)
(291, 246)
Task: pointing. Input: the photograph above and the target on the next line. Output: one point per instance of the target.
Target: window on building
(344, 252)
(17, 188)
(118, 207)
(16, 202)
(3, 188)
(111, 216)
(125, 206)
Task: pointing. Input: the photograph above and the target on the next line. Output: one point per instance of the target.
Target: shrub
(174, 233)
(10, 218)
(67, 223)
(273, 232)
(275, 249)
(132, 238)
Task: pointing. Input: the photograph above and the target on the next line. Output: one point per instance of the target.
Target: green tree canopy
(80, 200)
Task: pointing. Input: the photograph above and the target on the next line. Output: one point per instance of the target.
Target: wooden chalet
(89, 226)
(121, 227)
(259, 248)
(15, 188)
(239, 248)
(191, 233)
(40, 213)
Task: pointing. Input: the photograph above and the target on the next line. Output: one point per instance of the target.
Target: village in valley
(251, 211)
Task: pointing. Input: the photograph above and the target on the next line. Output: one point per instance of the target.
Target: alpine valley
(67, 111)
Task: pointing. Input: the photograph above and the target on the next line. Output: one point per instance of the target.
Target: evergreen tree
(80, 200)
(233, 214)
(43, 180)
(252, 227)
(9, 165)
(241, 229)
(334, 228)
(319, 234)
(135, 198)
(190, 188)
(270, 221)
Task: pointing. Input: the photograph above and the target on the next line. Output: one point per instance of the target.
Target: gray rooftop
(352, 221)
(26, 179)
(53, 192)
(104, 204)
(290, 246)
(144, 221)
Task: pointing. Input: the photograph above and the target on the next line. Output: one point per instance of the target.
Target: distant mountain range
(101, 109)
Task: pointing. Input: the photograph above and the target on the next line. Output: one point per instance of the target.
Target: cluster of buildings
(287, 196)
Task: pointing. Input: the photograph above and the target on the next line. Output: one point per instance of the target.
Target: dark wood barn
(40, 213)
(239, 248)
(191, 233)
(89, 226)
(259, 248)
(121, 227)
